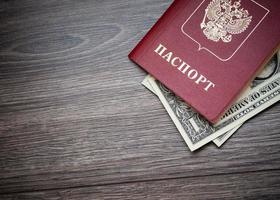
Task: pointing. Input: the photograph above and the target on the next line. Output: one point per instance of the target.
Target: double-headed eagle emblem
(224, 19)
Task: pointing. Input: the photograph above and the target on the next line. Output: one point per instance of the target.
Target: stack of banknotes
(263, 92)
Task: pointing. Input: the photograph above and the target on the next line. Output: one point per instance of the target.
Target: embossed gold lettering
(184, 68)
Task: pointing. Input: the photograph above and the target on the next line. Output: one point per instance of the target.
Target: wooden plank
(72, 111)
(257, 185)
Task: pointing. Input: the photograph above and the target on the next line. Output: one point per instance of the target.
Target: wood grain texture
(73, 113)
(231, 187)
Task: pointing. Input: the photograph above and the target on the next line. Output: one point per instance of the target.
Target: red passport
(207, 51)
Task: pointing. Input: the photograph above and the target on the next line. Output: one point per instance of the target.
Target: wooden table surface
(75, 122)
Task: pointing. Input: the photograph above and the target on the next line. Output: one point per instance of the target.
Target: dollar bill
(146, 83)
(271, 69)
(218, 141)
(196, 131)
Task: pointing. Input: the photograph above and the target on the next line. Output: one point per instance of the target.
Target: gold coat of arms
(224, 18)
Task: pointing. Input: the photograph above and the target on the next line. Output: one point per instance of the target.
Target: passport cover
(207, 51)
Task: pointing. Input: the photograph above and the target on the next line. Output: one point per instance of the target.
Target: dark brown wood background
(75, 123)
